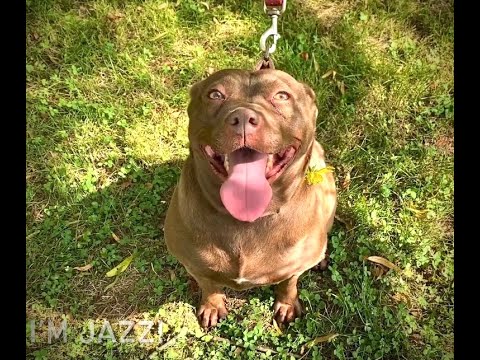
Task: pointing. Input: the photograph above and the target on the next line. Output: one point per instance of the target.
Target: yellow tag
(315, 176)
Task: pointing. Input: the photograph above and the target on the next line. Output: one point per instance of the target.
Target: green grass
(107, 90)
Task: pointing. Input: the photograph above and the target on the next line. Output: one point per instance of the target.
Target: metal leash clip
(274, 8)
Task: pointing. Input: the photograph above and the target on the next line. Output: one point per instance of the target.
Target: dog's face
(246, 128)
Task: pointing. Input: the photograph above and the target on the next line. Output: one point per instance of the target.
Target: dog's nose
(243, 121)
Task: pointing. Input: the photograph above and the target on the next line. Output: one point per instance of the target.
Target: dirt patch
(327, 12)
(445, 143)
(113, 303)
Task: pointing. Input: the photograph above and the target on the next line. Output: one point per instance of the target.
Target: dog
(242, 214)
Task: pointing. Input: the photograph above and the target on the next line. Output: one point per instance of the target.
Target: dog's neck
(284, 188)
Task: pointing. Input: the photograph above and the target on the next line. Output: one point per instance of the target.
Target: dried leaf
(110, 285)
(383, 261)
(304, 55)
(159, 36)
(348, 224)
(328, 73)
(416, 338)
(172, 274)
(276, 327)
(125, 184)
(341, 87)
(29, 236)
(53, 59)
(322, 339)
(115, 237)
(83, 268)
(346, 181)
(115, 15)
(120, 267)
(315, 64)
(82, 11)
(378, 271)
(401, 297)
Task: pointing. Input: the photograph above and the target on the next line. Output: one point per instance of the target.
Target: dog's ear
(195, 96)
(196, 89)
(311, 94)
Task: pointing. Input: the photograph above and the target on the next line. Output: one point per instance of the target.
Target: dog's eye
(216, 95)
(282, 95)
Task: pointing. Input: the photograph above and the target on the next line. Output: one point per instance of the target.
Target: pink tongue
(246, 193)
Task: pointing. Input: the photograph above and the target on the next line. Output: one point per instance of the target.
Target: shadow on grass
(118, 220)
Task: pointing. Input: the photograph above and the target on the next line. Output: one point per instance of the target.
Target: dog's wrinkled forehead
(246, 83)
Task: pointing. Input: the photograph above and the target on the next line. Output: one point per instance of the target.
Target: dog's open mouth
(248, 174)
(276, 163)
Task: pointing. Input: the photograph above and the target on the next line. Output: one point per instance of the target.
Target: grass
(107, 90)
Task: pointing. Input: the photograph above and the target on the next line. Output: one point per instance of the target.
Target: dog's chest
(249, 262)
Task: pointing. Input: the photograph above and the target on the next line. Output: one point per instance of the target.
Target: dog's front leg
(212, 305)
(287, 305)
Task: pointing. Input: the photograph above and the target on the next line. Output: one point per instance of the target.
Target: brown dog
(243, 214)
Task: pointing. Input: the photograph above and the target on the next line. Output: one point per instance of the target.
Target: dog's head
(248, 128)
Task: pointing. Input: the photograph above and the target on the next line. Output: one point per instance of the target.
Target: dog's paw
(209, 314)
(287, 312)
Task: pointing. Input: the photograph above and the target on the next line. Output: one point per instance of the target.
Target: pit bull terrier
(243, 214)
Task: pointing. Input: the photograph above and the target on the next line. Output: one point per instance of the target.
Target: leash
(273, 8)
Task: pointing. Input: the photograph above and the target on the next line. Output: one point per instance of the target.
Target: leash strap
(274, 5)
